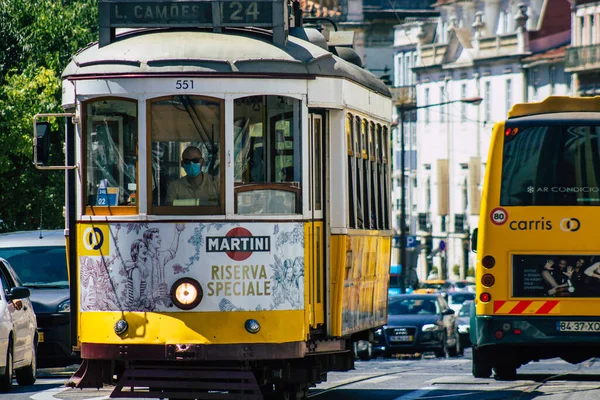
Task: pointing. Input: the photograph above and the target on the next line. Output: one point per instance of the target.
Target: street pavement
(395, 379)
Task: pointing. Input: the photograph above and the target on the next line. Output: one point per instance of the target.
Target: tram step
(201, 384)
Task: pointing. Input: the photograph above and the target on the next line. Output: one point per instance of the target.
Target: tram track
(525, 394)
(358, 380)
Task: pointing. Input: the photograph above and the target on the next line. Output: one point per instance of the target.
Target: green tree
(39, 37)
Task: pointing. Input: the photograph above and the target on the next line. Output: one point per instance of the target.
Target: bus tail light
(488, 262)
(485, 297)
(517, 331)
(488, 280)
(498, 335)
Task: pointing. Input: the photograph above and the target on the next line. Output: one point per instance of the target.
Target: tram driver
(196, 188)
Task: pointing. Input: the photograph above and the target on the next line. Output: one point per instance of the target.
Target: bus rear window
(551, 165)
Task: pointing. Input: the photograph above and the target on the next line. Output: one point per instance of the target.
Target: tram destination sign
(188, 13)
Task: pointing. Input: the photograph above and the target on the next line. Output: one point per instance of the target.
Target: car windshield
(39, 266)
(413, 306)
(459, 298)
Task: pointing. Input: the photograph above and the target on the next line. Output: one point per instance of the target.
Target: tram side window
(268, 155)
(184, 174)
(368, 216)
(386, 179)
(351, 180)
(358, 174)
(111, 153)
(373, 164)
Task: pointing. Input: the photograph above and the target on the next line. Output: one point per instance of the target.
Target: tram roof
(234, 52)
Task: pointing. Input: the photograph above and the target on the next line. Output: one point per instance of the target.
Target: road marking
(417, 394)
(49, 393)
(381, 379)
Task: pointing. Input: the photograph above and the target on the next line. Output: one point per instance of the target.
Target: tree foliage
(38, 37)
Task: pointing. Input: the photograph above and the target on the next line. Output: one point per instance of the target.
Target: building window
(463, 106)
(534, 83)
(567, 78)
(407, 70)
(508, 95)
(581, 31)
(415, 63)
(427, 103)
(442, 95)
(552, 73)
(488, 100)
(591, 30)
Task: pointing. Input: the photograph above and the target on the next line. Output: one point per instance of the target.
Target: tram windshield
(186, 153)
(267, 155)
(111, 141)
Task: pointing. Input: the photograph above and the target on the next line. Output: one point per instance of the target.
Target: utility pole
(402, 249)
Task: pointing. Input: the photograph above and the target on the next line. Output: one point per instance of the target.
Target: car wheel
(6, 378)
(443, 350)
(457, 349)
(26, 375)
(481, 367)
(367, 354)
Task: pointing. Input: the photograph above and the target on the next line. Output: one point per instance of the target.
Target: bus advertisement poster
(557, 275)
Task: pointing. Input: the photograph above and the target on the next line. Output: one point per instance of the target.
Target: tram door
(316, 230)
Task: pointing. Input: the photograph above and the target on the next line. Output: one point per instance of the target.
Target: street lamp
(402, 109)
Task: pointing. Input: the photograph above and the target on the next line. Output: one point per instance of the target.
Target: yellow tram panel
(193, 328)
(360, 266)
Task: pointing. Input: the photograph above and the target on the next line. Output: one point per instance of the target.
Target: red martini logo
(239, 244)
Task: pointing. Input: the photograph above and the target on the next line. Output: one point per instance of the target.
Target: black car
(464, 324)
(419, 323)
(39, 258)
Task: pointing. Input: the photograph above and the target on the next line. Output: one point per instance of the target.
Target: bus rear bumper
(535, 338)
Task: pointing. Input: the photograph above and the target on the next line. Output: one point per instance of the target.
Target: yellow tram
(228, 214)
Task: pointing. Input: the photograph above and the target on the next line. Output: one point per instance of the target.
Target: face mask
(192, 169)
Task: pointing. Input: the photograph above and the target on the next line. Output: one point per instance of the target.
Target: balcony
(583, 58)
(405, 96)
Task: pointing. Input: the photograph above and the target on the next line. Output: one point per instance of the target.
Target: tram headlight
(186, 293)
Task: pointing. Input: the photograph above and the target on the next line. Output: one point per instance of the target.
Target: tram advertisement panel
(556, 275)
(235, 266)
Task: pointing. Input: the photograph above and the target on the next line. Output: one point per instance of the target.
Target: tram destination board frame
(214, 14)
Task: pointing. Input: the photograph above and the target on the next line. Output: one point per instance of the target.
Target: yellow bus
(538, 257)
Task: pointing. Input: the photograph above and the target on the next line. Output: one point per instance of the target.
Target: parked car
(456, 299)
(464, 324)
(39, 258)
(18, 331)
(418, 323)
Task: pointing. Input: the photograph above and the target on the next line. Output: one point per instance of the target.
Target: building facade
(501, 51)
(583, 56)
